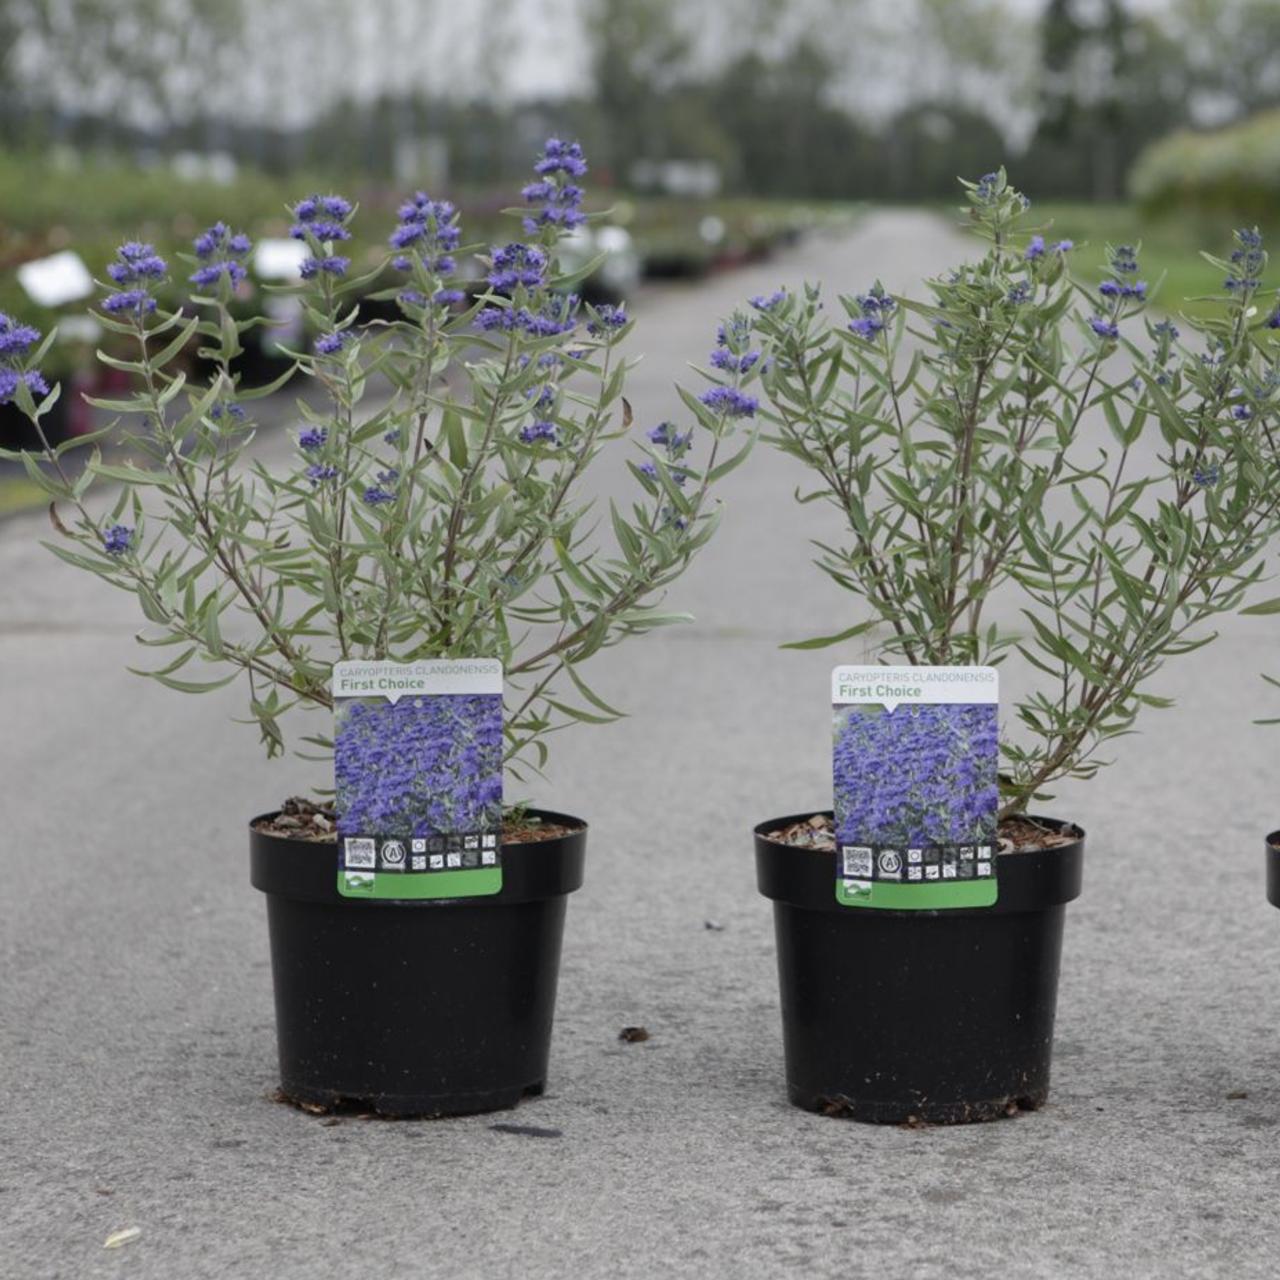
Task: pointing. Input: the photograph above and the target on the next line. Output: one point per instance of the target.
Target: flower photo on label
(916, 775)
(420, 766)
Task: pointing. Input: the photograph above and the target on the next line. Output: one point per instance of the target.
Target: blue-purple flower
(561, 157)
(221, 252)
(608, 319)
(1104, 327)
(724, 359)
(874, 307)
(321, 221)
(537, 432)
(313, 438)
(558, 314)
(117, 539)
(16, 340)
(1247, 261)
(12, 379)
(730, 401)
(137, 268)
(328, 344)
(516, 266)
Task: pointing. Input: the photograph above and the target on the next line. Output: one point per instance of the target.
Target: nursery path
(136, 1034)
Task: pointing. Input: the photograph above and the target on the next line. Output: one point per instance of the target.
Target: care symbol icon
(890, 862)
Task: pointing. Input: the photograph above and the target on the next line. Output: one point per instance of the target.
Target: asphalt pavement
(136, 1025)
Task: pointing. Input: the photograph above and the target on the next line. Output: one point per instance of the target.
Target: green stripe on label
(894, 896)
(472, 882)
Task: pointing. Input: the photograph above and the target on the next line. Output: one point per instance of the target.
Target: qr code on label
(361, 854)
(857, 861)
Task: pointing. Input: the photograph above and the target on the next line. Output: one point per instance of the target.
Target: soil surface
(1018, 834)
(303, 819)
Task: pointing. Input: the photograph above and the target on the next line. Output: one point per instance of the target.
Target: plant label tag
(915, 761)
(417, 758)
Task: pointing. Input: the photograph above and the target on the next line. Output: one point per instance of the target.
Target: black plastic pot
(1273, 868)
(424, 1008)
(944, 1016)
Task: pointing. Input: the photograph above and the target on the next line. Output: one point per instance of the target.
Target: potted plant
(430, 515)
(1047, 449)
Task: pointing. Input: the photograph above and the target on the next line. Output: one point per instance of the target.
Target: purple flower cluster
(426, 236)
(554, 198)
(431, 229)
(1247, 261)
(723, 358)
(117, 539)
(137, 269)
(516, 266)
(608, 319)
(916, 775)
(1104, 327)
(321, 223)
(730, 401)
(537, 432)
(561, 158)
(321, 473)
(382, 493)
(557, 314)
(1206, 475)
(15, 341)
(1123, 289)
(676, 444)
(769, 302)
(1036, 248)
(420, 766)
(328, 344)
(875, 308)
(313, 438)
(222, 253)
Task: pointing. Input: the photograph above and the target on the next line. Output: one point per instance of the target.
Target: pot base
(399, 1106)
(919, 1113)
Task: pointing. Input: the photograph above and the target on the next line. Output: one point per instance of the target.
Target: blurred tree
(1110, 82)
(639, 50)
(931, 144)
(1232, 50)
(788, 137)
(104, 68)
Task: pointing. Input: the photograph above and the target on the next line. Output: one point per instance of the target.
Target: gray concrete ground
(135, 1003)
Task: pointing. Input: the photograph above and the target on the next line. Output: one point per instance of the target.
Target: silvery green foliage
(445, 519)
(1007, 447)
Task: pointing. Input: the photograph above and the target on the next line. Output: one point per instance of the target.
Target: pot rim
(1028, 879)
(290, 868)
